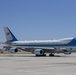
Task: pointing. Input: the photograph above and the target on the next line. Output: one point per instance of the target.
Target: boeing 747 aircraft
(40, 47)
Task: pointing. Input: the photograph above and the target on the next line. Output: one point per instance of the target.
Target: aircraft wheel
(40, 55)
(44, 55)
(51, 54)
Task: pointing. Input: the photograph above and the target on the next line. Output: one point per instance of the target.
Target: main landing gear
(41, 55)
(51, 54)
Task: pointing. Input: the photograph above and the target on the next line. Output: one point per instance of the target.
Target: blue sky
(38, 19)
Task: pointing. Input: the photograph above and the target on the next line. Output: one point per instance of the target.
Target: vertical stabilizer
(9, 35)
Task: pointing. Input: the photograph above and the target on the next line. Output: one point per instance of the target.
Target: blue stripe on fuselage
(72, 43)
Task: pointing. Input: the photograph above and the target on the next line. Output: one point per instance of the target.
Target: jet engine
(67, 52)
(13, 50)
(39, 52)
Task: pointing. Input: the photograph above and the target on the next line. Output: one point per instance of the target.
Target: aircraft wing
(46, 50)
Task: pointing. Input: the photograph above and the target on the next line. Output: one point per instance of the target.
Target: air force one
(40, 47)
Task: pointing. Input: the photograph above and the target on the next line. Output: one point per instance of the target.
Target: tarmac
(28, 64)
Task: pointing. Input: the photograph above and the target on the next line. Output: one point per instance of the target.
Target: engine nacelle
(38, 52)
(2, 50)
(66, 52)
(13, 50)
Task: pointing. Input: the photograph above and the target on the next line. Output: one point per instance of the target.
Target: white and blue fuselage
(45, 43)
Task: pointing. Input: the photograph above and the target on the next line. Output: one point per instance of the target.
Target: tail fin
(9, 35)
